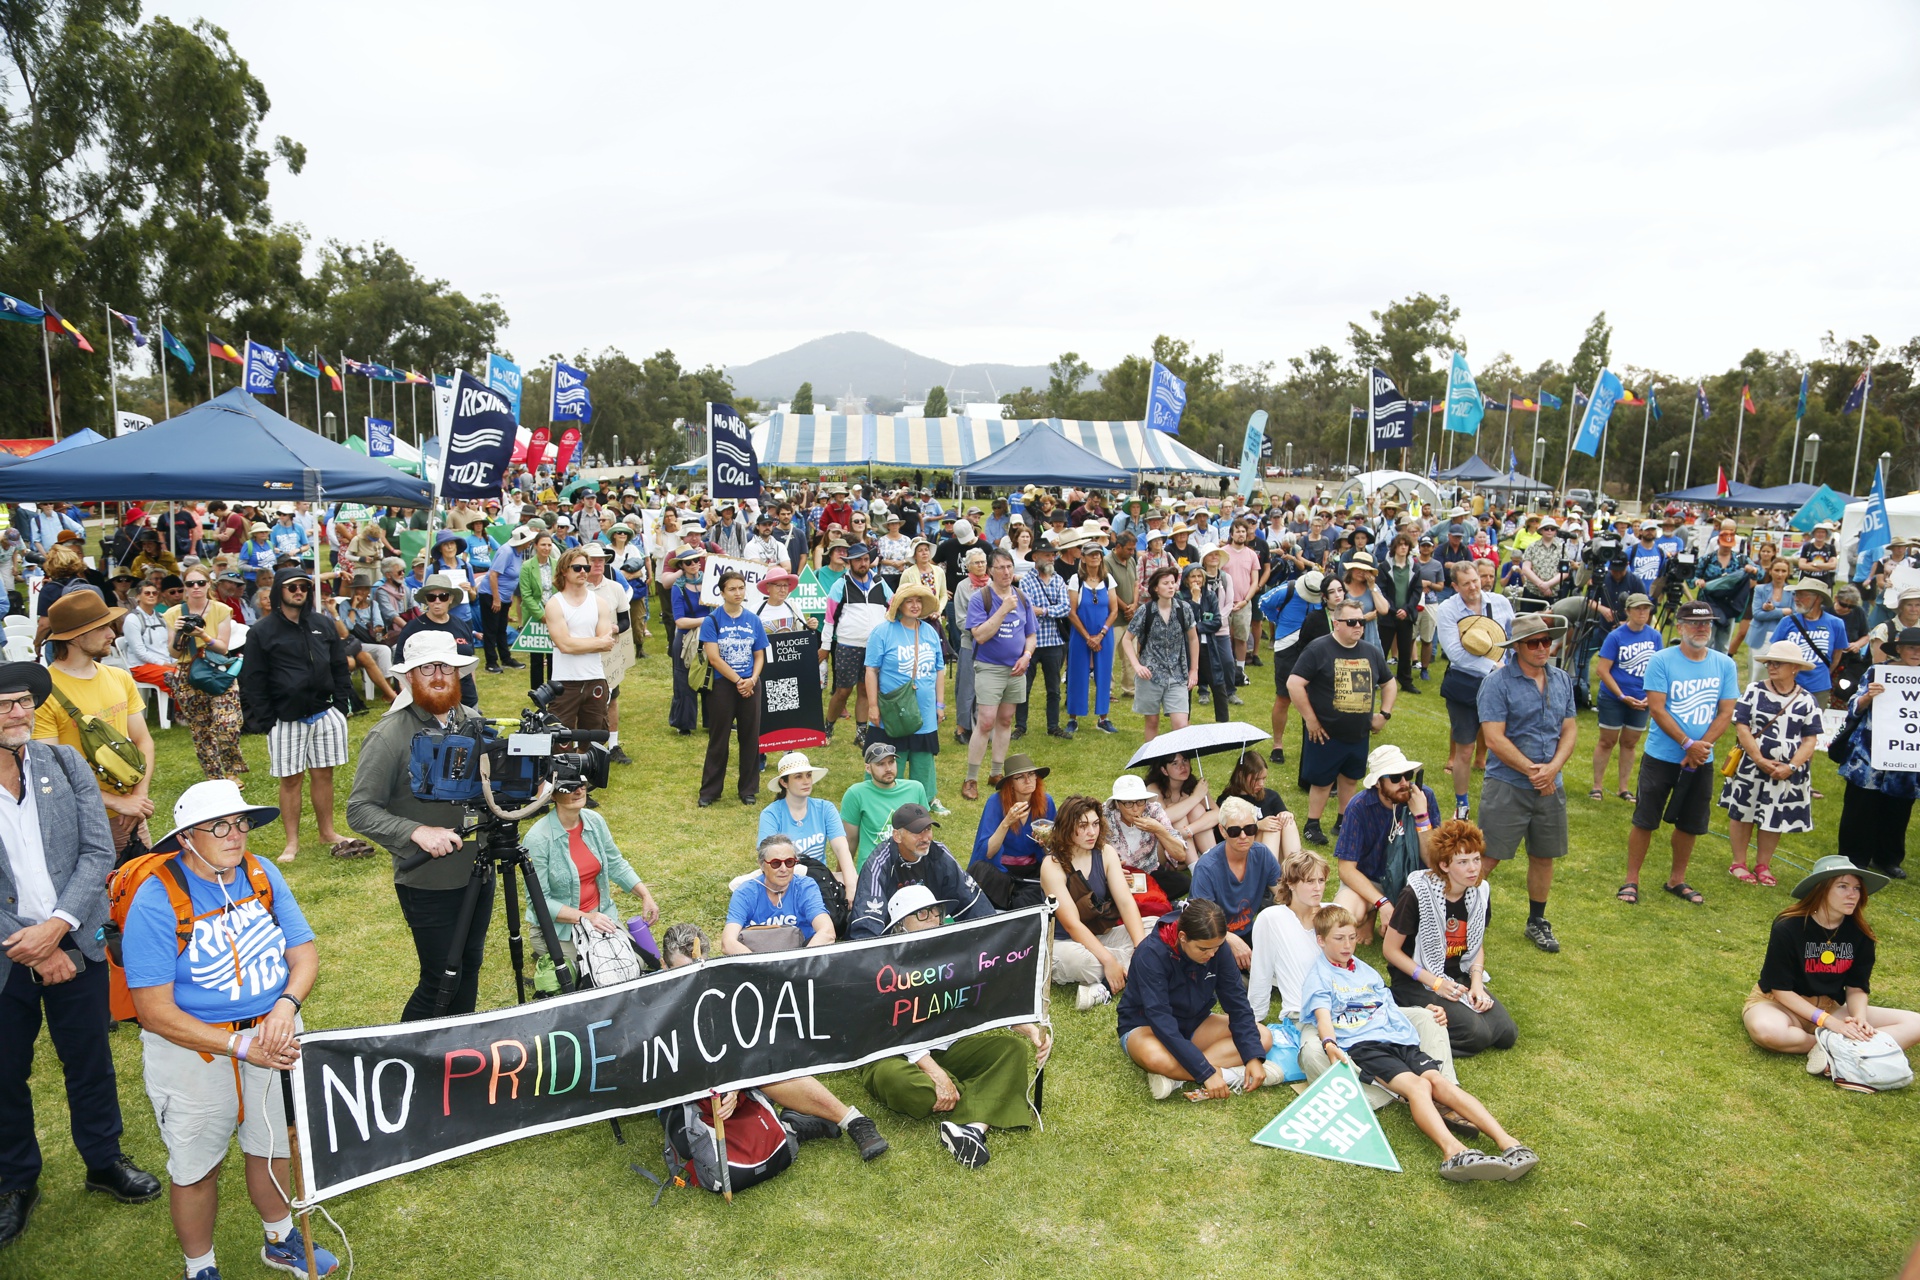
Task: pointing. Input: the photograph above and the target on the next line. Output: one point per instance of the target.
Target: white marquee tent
(947, 444)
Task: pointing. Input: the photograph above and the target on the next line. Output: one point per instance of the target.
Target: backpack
(758, 1145)
(125, 882)
(1878, 1064)
(116, 761)
(833, 896)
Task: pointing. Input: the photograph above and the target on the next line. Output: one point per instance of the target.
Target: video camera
(1680, 572)
(508, 774)
(1601, 551)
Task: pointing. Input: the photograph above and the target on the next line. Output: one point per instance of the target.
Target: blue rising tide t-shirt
(800, 905)
(235, 967)
(739, 639)
(1693, 691)
(811, 834)
(1629, 651)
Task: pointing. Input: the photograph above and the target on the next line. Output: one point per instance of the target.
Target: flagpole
(1349, 440)
(1566, 455)
(346, 410)
(413, 407)
(210, 364)
(1505, 419)
(1793, 457)
(160, 355)
(1446, 411)
(113, 383)
(46, 355)
(1686, 481)
(1533, 459)
(318, 374)
(1600, 475)
(1645, 423)
(1866, 394)
(1739, 423)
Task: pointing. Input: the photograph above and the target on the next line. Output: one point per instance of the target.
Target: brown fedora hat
(78, 612)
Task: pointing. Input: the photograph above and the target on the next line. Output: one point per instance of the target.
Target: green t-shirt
(870, 808)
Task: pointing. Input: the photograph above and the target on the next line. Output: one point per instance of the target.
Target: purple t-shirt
(1005, 646)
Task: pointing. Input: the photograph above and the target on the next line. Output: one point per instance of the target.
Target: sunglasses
(577, 568)
(1349, 622)
(436, 597)
(1234, 833)
(781, 862)
(196, 582)
(290, 588)
(1537, 642)
(1398, 777)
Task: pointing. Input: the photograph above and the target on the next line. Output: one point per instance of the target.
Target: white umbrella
(1198, 740)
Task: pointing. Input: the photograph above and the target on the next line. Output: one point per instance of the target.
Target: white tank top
(583, 619)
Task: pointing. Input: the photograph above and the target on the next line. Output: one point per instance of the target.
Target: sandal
(1596, 794)
(1685, 892)
(350, 849)
(1629, 894)
(1763, 875)
(1739, 872)
(1628, 796)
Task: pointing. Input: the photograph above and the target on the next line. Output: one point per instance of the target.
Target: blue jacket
(1174, 995)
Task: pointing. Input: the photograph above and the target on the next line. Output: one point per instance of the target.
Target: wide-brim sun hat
(796, 762)
(911, 591)
(26, 677)
(440, 582)
(778, 578)
(1838, 864)
(1529, 625)
(1020, 763)
(78, 612)
(687, 555)
(1385, 762)
(1480, 636)
(1811, 584)
(523, 536)
(1784, 651)
(1130, 787)
(908, 900)
(210, 801)
(423, 647)
(1312, 586)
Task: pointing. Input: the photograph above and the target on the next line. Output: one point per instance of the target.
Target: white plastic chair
(19, 648)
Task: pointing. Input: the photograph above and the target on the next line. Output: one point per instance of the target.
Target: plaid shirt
(1048, 596)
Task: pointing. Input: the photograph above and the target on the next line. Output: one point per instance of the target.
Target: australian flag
(133, 326)
(1700, 395)
(1389, 416)
(1857, 397)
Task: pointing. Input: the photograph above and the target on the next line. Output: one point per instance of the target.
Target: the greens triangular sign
(1332, 1120)
(808, 598)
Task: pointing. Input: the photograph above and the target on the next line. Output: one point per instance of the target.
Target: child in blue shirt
(1357, 1020)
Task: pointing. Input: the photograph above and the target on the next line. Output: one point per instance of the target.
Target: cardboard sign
(533, 639)
(790, 715)
(750, 570)
(1332, 1121)
(810, 598)
(1831, 718)
(1896, 719)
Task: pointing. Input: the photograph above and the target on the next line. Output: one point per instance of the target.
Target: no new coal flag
(1332, 1120)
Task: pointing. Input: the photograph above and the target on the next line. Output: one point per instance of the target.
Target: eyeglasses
(1234, 833)
(781, 863)
(434, 668)
(1537, 642)
(225, 827)
(10, 705)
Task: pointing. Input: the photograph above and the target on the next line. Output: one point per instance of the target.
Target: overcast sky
(1008, 181)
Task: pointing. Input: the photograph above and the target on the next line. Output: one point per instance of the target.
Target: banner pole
(160, 358)
(46, 355)
(1645, 424)
(210, 363)
(1566, 455)
(1739, 425)
(305, 1214)
(346, 413)
(719, 1148)
(316, 388)
(1504, 420)
(113, 383)
(1866, 394)
(1793, 457)
(1693, 420)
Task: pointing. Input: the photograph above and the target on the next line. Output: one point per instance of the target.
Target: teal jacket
(547, 846)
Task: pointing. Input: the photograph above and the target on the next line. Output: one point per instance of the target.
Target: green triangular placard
(1332, 1120)
(808, 598)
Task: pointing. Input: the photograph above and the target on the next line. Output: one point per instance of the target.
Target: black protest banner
(372, 1103)
(790, 713)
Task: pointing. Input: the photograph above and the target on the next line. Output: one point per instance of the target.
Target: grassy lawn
(1669, 1146)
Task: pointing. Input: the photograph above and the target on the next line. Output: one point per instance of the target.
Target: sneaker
(939, 810)
(1278, 755)
(1235, 700)
(808, 1128)
(1205, 692)
(206, 1273)
(1425, 674)
(860, 738)
(965, 1142)
(1242, 679)
(1236, 1078)
(512, 665)
(1253, 660)
(1817, 1061)
(866, 1137)
(1019, 732)
(1411, 687)
(1106, 726)
(1519, 1159)
(1475, 1166)
(1061, 733)
(1540, 934)
(290, 1256)
(1312, 833)
(494, 668)
(1073, 724)
(619, 756)
(1090, 995)
(1461, 812)
(1162, 1087)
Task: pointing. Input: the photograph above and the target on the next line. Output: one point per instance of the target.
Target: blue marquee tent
(232, 447)
(1472, 470)
(78, 440)
(1044, 456)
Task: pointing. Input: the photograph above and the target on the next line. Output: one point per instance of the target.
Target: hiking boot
(1019, 732)
(290, 1256)
(808, 1128)
(124, 1181)
(1312, 833)
(1540, 934)
(1060, 733)
(866, 1137)
(965, 1143)
(1091, 994)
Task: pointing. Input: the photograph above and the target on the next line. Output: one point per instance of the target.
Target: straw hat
(795, 762)
(911, 591)
(1785, 651)
(1385, 762)
(1480, 635)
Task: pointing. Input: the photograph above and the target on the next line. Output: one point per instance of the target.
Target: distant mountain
(863, 365)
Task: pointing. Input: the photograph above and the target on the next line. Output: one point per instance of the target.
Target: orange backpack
(125, 882)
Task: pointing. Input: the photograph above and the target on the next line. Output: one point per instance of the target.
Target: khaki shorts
(1426, 629)
(1154, 697)
(1240, 621)
(197, 1106)
(997, 686)
(1757, 996)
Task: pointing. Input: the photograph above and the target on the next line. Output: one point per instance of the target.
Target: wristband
(246, 1043)
(1420, 975)
(1421, 822)
(1379, 903)
(1326, 1040)
(233, 1042)
(298, 1004)
(1821, 1021)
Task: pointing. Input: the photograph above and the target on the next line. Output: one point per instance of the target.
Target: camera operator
(1606, 595)
(384, 808)
(1543, 566)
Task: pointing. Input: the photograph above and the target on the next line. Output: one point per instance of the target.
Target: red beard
(436, 701)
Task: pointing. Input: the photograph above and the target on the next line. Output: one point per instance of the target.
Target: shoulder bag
(900, 709)
(113, 755)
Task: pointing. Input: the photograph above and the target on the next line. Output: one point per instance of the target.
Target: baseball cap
(878, 751)
(1639, 601)
(1695, 611)
(912, 817)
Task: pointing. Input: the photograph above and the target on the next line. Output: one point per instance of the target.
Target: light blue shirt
(810, 835)
(1693, 690)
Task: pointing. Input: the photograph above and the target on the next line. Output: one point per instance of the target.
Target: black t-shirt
(949, 555)
(463, 640)
(1804, 958)
(1269, 804)
(1341, 684)
(1406, 919)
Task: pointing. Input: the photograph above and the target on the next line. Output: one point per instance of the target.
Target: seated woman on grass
(1435, 942)
(1358, 1022)
(1180, 972)
(1096, 925)
(1818, 969)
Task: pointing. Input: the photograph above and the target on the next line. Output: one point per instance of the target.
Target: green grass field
(1669, 1145)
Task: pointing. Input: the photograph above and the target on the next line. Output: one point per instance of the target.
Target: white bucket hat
(1383, 762)
(907, 900)
(433, 646)
(1130, 786)
(796, 762)
(208, 801)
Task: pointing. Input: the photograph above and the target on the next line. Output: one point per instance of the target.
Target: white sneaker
(1162, 1087)
(1236, 1078)
(1091, 995)
(1817, 1062)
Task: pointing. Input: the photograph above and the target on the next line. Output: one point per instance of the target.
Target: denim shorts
(1615, 714)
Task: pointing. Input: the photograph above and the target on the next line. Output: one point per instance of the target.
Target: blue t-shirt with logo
(739, 638)
(809, 835)
(1645, 563)
(1693, 691)
(799, 905)
(1629, 651)
(1818, 642)
(235, 965)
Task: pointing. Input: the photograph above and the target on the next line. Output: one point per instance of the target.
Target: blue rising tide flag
(1876, 530)
(1251, 450)
(732, 469)
(1824, 505)
(379, 438)
(570, 398)
(1464, 406)
(479, 440)
(1389, 416)
(1606, 390)
(1166, 400)
(263, 367)
(503, 375)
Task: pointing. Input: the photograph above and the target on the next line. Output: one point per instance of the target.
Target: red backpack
(758, 1145)
(125, 882)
